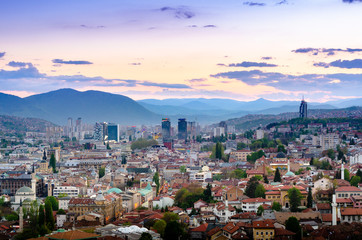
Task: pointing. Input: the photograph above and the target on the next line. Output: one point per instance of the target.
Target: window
(266, 233)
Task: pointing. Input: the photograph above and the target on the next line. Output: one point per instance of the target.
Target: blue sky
(244, 50)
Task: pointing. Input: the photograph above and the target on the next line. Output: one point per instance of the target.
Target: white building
(252, 204)
(63, 202)
(66, 190)
(162, 202)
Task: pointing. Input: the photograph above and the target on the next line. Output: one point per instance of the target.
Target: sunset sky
(244, 50)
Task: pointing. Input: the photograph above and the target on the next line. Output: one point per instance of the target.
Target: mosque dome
(280, 155)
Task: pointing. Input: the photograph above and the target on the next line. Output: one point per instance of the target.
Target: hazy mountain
(91, 106)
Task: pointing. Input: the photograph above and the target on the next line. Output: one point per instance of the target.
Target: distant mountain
(91, 106)
(19, 125)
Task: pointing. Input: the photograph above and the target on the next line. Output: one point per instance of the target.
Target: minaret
(342, 171)
(33, 184)
(334, 211)
(21, 217)
(288, 166)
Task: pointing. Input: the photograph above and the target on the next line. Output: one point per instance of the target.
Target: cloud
(252, 4)
(92, 27)
(28, 78)
(306, 82)
(252, 64)
(135, 63)
(356, 63)
(282, 2)
(181, 12)
(78, 62)
(351, 1)
(197, 80)
(164, 85)
(2, 54)
(266, 58)
(327, 51)
(19, 64)
(210, 26)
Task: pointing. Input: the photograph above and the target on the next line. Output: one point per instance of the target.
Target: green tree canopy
(294, 199)
(260, 191)
(156, 180)
(101, 172)
(292, 224)
(145, 236)
(143, 143)
(170, 216)
(277, 177)
(310, 198)
(53, 201)
(53, 163)
(251, 187)
(160, 226)
(239, 173)
(355, 180)
(277, 206)
(173, 231)
(49, 218)
(260, 210)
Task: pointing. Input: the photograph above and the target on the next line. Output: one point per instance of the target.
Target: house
(199, 232)
(351, 215)
(199, 203)
(346, 192)
(252, 204)
(263, 229)
(324, 208)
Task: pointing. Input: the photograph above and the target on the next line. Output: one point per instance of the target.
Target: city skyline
(243, 50)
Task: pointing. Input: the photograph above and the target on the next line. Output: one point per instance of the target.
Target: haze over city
(243, 50)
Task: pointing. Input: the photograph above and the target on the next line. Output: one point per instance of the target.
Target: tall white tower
(334, 211)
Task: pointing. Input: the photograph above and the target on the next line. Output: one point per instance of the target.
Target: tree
(251, 187)
(292, 224)
(173, 231)
(310, 198)
(208, 194)
(266, 180)
(182, 169)
(160, 226)
(61, 212)
(49, 218)
(239, 173)
(156, 180)
(108, 147)
(277, 177)
(331, 154)
(281, 148)
(355, 180)
(260, 191)
(145, 236)
(217, 151)
(53, 201)
(260, 210)
(294, 199)
(359, 174)
(41, 218)
(170, 216)
(277, 206)
(101, 172)
(346, 175)
(311, 161)
(52, 163)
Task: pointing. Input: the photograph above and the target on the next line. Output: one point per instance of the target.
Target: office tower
(113, 132)
(223, 124)
(78, 125)
(191, 128)
(166, 129)
(100, 131)
(182, 129)
(303, 110)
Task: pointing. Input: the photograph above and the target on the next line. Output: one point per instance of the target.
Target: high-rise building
(166, 129)
(303, 110)
(113, 132)
(223, 124)
(182, 129)
(100, 131)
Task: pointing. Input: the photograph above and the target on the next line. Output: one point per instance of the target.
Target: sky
(235, 49)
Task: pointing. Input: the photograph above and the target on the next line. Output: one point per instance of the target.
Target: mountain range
(96, 106)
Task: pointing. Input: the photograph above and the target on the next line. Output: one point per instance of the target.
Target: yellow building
(109, 206)
(240, 155)
(263, 230)
(281, 196)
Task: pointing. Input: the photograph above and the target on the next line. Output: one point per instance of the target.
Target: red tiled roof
(343, 200)
(323, 206)
(348, 189)
(86, 201)
(255, 200)
(351, 211)
(201, 228)
(263, 224)
(283, 232)
(230, 228)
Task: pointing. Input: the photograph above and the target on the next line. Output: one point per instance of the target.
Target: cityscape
(201, 120)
